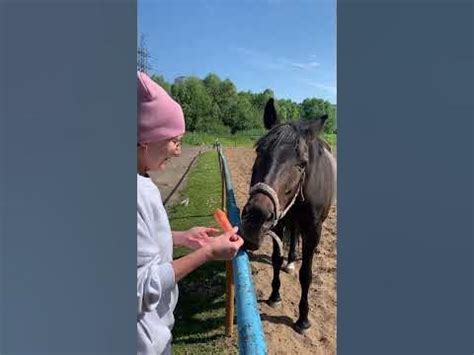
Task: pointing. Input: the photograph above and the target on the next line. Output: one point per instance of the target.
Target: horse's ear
(313, 127)
(270, 117)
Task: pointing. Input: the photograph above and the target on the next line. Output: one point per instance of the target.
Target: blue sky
(288, 46)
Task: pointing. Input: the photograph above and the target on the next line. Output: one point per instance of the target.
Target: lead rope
(277, 239)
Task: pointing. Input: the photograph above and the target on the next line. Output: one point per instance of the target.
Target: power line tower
(143, 56)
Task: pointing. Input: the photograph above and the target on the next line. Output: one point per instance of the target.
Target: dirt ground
(280, 336)
(174, 171)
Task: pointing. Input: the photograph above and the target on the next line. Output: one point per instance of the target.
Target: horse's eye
(288, 190)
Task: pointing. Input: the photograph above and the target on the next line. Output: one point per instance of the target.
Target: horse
(292, 189)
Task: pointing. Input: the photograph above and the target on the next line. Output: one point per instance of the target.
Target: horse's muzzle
(255, 222)
(250, 245)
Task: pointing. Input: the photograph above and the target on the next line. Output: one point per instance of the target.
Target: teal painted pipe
(249, 324)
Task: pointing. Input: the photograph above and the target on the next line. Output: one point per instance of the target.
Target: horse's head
(278, 173)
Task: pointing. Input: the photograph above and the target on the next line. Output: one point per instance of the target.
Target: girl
(160, 129)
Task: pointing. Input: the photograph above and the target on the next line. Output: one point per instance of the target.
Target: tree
(212, 83)
(214, 105)
(288, 110)
(227, 101)
(196, 103)
(240, 117)
(312, 108)
(260, 99)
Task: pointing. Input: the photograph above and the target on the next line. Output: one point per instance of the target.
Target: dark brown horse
(293, 186)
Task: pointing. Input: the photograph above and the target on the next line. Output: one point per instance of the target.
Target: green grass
(200, 313)
(246, 139)
(243, 139)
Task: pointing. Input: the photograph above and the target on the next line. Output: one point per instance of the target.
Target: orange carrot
(223, 221)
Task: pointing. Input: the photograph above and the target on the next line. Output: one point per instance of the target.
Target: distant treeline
(215, 106)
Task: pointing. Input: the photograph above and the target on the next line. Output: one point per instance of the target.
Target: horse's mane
(285, 133)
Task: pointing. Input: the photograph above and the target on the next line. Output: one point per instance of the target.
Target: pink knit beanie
(159, 116)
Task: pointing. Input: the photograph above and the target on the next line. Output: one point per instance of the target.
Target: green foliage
(312, 108)
(198, 108)
(331, 138)
(288, 110)
(215, 106)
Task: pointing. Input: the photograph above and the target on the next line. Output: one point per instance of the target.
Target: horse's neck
(324, 155)
(322, 151)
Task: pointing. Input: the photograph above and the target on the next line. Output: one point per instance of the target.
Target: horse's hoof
(274, 304)
(289, 268)
(302, 326)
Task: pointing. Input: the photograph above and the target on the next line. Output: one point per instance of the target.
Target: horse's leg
(290, 264)
(310, 236)
(277, 261)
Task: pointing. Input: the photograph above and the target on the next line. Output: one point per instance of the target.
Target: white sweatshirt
(157, 291)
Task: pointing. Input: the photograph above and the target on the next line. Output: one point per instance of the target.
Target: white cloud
(305, 66)
(332, 89)
(268, 62)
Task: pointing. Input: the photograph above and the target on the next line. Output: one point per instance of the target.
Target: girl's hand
(198, 237)
(225, 246)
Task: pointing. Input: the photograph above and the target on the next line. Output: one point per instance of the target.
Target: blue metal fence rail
(249, 324)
